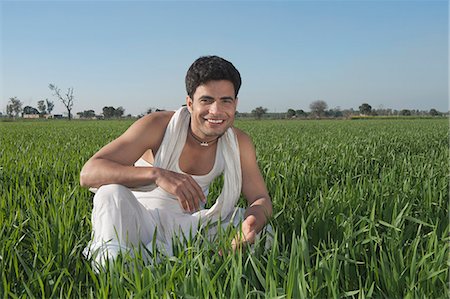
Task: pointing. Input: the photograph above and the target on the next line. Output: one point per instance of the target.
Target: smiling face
(212, 108)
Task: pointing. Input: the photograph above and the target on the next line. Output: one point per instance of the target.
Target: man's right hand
(183, 187)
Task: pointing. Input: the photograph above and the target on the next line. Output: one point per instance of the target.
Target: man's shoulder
(160, 119)
(243, 138)
(149, 130)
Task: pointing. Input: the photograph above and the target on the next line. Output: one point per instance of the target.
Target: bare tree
(66, 99)
(318, 107)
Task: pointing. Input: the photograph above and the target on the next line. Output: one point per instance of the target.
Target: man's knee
(112, 188)
(112, 194)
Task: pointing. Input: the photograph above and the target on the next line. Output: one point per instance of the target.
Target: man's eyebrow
(227, 98)
(206, 97)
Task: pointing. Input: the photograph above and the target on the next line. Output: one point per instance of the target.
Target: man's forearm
(100, 172)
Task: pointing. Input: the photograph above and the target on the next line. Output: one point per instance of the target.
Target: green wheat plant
(360, 211)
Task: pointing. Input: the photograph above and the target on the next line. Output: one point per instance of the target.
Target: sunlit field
(360, 210)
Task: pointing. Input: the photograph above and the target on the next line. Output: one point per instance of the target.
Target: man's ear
(189, 103)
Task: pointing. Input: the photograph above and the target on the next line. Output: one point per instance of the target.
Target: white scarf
(170, 149)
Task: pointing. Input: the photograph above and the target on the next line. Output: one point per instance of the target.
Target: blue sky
(391, 54)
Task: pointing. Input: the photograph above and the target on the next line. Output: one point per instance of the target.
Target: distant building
(31, 116)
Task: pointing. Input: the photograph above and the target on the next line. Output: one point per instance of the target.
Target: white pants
(123, 219)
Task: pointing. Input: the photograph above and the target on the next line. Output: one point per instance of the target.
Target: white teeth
(215, 121)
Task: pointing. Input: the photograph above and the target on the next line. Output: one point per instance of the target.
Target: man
(178, 155)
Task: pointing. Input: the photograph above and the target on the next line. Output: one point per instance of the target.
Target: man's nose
(214, 107)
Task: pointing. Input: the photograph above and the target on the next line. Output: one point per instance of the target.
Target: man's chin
(215, 132)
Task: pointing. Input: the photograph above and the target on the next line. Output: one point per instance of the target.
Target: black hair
(208, 68)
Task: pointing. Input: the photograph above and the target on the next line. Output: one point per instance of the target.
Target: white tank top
(205, 180)
(159, 198)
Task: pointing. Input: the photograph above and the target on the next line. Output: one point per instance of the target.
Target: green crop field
(360, 211)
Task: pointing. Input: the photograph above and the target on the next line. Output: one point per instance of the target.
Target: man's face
(212, 108)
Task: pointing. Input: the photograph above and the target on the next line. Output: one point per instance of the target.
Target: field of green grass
(360, 211)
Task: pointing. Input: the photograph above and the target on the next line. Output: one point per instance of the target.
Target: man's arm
(114, 163)
(254, 189)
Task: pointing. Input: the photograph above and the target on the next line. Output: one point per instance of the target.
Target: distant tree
(405, 112)
(381, 111)
(259, 112)
(149, 110)
(301, 113)
(14, 107)
(108, 111)
(335, 112)
(9, 110)
(365, 109)
(30, 110)
(111, 112)
(89, 113)
(290, 113)
(41, 107)
(66, 99)
(86, 114)
(50, 106)
(119, 112)
(318, 107)
(434, 112)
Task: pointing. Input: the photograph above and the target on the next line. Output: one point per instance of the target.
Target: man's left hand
(247, 234)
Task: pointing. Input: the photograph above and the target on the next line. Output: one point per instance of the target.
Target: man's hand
(247, 234)
(183, 186)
